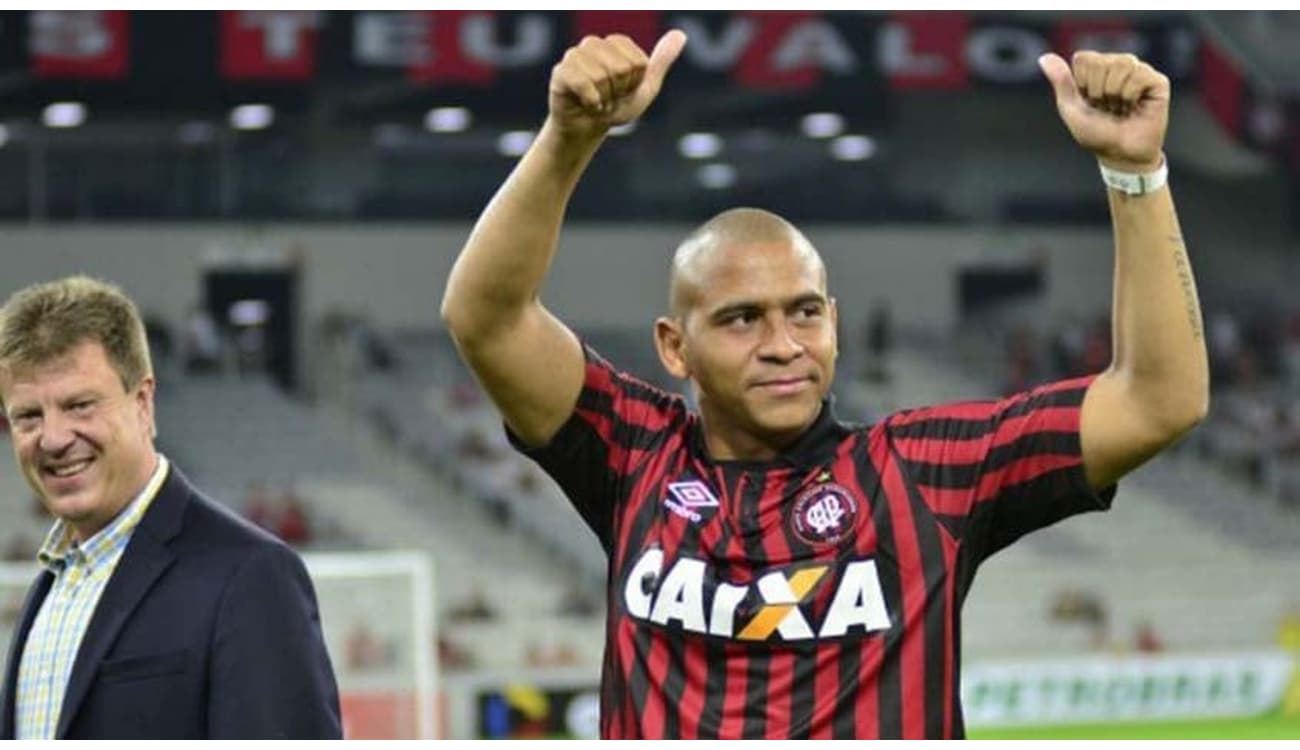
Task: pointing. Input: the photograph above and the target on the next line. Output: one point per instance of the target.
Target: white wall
(605, 275)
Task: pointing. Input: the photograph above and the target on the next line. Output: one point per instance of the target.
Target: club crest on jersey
(824, 514)
(688, 498)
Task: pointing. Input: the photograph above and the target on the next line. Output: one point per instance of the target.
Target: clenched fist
(604, 82)
(1115, 105)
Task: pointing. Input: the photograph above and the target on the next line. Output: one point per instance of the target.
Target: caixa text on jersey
(690, 597)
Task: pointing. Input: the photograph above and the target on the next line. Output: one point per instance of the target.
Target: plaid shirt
(81, 570)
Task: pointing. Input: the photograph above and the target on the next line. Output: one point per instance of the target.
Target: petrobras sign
(1102, 689)
(1079, 690)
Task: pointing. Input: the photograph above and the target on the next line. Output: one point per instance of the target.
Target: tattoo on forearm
(1184, 268)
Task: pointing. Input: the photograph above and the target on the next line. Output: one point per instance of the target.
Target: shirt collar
(61, 548)
(815, 446)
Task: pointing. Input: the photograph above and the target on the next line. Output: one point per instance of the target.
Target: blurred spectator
(1254, 429)
(1146, 640)
(251, 348)
(202, 343)
(293, 526)
(1290, 359)
(877, 340)
(1224, 342)
(528, 482)
(537, 656)
(1077, 606)
(451, 656)
(379, 354)
(472, 609)
(564, 655)
(489, 471)
(577, 602)
(1022, 361)
(1096, 347)
(474, 446)
(1082, 607)
(286, 517)
(1245, 370)
(1286, 430)
(1067, 349)
(365, 652)
(257, 506)
(159, 335)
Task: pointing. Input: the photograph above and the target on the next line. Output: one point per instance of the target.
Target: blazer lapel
(9, 691)
(144, 560)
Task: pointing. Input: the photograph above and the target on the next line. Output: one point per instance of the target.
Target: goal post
(377, 613)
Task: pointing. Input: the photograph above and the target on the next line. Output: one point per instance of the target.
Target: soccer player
(773, 571)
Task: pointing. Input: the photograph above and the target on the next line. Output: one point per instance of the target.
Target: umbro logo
(686, 499)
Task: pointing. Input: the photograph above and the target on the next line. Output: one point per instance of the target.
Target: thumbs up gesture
(1115, 105)
(609, 81)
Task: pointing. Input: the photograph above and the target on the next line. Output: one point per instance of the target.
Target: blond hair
(46, 321)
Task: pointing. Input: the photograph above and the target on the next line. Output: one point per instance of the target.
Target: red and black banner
(163, 55)
(498, 61)
(88, 44)
(268, 44)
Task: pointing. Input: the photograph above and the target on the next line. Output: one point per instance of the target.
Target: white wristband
(1135, 183)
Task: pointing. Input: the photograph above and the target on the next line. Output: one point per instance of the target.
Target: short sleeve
(995, 470)
(617, 421)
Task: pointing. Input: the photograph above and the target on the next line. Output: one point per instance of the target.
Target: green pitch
(1261, 728)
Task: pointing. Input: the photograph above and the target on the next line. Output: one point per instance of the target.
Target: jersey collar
(814, 447)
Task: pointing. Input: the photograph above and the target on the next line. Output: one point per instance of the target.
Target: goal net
(377, 611)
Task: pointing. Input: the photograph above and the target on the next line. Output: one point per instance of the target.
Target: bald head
(698, 253)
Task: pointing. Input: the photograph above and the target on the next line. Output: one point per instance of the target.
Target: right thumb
(1059, 75)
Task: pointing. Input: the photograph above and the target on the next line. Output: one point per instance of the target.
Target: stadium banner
(1100, 689)
(84, 44)
(269, 44)
(507, 54)
(530, 703)
(1088, 690)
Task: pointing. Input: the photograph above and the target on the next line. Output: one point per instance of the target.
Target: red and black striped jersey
(816, 595)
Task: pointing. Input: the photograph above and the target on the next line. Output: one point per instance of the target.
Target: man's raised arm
(1157, 386)
(527, 360)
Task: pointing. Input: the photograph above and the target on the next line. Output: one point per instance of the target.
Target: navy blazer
(208, 628)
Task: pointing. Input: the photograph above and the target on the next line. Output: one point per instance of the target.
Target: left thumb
(1058, 74)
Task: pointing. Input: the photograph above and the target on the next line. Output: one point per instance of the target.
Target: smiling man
(775, 572)
(733, 279)
(158, 614)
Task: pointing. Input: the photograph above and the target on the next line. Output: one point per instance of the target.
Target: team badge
(688, 498)
(824, 514)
